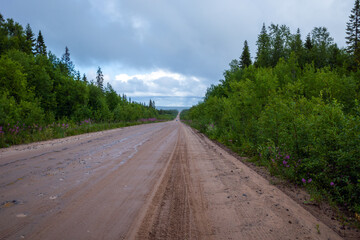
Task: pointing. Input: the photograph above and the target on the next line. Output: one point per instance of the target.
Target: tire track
(173, 184)
(178, 209)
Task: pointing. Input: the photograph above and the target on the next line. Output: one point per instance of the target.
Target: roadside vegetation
(295, 110)
(43, 96)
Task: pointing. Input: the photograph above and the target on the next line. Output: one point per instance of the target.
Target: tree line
(38, 87)
(295, 109)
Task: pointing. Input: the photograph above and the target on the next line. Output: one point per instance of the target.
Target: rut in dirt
(178, 209)
(153, 181)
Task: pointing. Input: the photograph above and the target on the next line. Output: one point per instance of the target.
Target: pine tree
(40, 45)
(99, 78)
(30, 40)
(263, 51)
(245, 59)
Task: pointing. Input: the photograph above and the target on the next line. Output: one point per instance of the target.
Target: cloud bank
(163, 47)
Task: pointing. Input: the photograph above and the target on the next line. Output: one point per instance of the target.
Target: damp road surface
(152, 181)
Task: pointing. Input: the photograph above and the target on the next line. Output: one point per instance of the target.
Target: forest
(43, 96)
(294, 110)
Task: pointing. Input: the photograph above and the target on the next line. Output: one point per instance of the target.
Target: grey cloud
(194, 38)
(132, 86)
(160, 84)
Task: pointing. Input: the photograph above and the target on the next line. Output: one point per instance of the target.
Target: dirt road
(154, 181)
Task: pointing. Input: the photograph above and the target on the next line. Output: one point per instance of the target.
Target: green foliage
(302, 123)
(99, 78)
(276, 42)
(37, 89)
(279, 42)
(40, 47)
(168, 114)
(296, 46)
(23, 111)
(30, 40)
(12, 79)
(353, 35)
(245, 59)
(263, 49)
(112, 98)
(353, 28)
(66, 65)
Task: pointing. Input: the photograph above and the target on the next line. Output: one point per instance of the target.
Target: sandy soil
(153, 181)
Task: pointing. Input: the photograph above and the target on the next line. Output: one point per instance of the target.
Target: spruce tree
(276, 43)
(245, 59)
(296, 44)
(40, 45)
(78, 76)
(99, 78)
(2, 20)
(150, 104)
(353, 32)
(308, 43)
(263, 50)
(65, 60)
(308, 46)
(84, 78)
(66, 56)
(30, 40)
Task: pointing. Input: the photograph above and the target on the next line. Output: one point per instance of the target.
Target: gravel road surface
(152, 181)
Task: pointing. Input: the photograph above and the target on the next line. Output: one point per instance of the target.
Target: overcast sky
(168, 50)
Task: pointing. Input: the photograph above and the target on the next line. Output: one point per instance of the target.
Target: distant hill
(171, 108)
